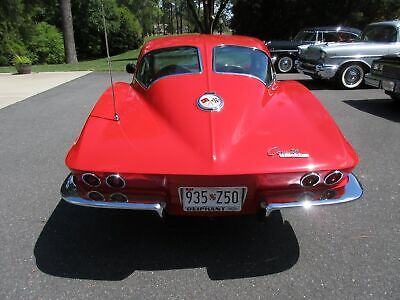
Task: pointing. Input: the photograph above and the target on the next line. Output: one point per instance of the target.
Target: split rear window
(166, 62)
(242, 61)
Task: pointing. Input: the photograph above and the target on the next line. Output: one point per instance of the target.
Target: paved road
(50, 249)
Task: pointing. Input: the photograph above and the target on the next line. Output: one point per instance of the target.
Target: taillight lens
(310, 179)
(118, 197)
(91, 179)
(96, 196)
(333, 177)
(115, 181)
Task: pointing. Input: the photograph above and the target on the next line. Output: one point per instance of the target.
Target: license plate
(212, 198)
(388, 85)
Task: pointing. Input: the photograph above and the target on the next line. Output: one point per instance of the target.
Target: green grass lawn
(118, 64)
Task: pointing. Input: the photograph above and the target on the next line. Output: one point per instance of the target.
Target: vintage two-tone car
(205, 129)
(348, 63)
(385, 74)
(285, 53)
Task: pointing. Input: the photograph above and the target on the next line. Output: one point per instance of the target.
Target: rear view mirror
(130, 68)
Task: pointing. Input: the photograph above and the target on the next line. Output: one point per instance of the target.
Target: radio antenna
(116, 117)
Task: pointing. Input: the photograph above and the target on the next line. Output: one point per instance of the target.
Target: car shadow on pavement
(101, 244)
(384, 108)
(318, 85)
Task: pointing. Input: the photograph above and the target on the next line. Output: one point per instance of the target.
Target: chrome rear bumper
(353, 191)
(69, 194)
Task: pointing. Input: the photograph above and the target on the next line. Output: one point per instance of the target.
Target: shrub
(21, 60)
(9, 46)
(46, 44)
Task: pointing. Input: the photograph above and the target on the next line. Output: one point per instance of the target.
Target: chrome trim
(332, 173)
(83, 175)
(95, 192)
(288, 50)
(309, 174)
(322, 71)
(69, 194)
(139, 64)
(220, 106)
(353, 191)
(116, 175)
(358, 57)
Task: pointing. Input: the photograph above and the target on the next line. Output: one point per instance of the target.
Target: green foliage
(124, 31)
(147, 12)
(11, 21)
(21, 60)
(9, 46)
(46, 44)
(129, 34)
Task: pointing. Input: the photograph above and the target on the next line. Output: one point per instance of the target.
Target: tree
(68, 32)
(209, 18)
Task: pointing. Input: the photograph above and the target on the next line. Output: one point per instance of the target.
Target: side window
(143, 74)
(331, 37)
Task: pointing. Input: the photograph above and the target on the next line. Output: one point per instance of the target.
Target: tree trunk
(68, 32)
(209, 19)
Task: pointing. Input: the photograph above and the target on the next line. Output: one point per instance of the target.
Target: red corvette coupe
(205, 129)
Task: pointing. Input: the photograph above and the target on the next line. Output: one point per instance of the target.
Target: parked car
(205, 129)
(348, 63)
(284, 53)
(385, 74)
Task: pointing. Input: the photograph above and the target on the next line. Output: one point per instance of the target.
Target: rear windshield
(379, 33)
(166, 62)
(242, 60)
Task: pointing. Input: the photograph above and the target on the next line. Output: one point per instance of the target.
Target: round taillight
(333, 177)
(91, 179)
(118, 197)
(329, 194)
(310, 179)
(115, 181)
(96, 196)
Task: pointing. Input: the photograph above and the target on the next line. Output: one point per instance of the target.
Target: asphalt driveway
(52, 250)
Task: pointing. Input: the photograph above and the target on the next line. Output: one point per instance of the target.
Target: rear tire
(351, 76)
(285, 64)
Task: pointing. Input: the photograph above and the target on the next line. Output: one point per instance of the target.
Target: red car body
(265, 139)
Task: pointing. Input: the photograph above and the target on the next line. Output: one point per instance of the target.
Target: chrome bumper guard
(353, 191)
(321, 71)
(69, 193)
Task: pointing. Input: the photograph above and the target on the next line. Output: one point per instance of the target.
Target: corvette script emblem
(210, 102)
(292, 153)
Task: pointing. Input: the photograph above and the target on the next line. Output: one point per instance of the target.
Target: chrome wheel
(352, 76)
(285, 64)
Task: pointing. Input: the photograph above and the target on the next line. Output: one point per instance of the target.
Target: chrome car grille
(312, 54)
